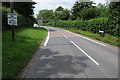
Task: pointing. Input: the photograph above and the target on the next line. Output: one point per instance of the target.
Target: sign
(40, 21)
(12, 19)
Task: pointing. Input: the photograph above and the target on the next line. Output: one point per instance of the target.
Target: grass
(16, 54)
(107, 38)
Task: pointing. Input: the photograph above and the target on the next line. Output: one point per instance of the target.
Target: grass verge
(16, 54)
(107, 38)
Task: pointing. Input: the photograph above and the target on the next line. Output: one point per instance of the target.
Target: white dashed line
(85, 53)
(64, 35)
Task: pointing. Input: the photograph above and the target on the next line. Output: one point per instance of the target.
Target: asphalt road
(67, 55)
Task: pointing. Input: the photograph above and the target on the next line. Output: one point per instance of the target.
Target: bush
(93, 25)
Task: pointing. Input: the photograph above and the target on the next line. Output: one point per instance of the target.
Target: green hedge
(93, 25)
(23, 21)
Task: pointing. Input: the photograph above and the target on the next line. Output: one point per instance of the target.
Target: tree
(114, 17)
(103, 9)
(90, 13)
(65, 14)
(6, 4)
(60, 8)
(61, 14)
(23, 8)
(78, 7)
(46, 15)
(58, 15)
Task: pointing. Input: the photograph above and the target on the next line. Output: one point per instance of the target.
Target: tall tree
(114, 17)
(65, 14)
(23, 8)
(61, 14)
(46, 15)
(60, 8)
(78, 7)
(103, 8)
(89, 13)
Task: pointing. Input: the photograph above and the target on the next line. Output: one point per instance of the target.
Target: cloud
(50, 4)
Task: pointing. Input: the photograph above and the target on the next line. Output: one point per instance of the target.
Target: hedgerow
(92, 25)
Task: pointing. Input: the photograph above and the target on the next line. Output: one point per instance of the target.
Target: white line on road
(85, 53)
(47, 39)
(92, 40)
(87, 38)
(64, 35)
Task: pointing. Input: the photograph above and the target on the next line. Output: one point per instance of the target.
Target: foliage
(78, 7)
(16, 54)
(93, 25)
(23, 8)
(60, 8)
(93, 18)
(62, 15)
(21, 19)
(107, 38)
(103, 9)
(90, 13)
(46, 15)
(114, 17)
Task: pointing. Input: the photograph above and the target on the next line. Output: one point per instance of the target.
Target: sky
(53, 4)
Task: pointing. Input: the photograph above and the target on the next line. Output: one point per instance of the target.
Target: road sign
(40, 21)
(12, 19)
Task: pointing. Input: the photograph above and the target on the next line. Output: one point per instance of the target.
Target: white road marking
(47, 39)
(64, 35)
(92, 40)
(87, 39)
(85, 53)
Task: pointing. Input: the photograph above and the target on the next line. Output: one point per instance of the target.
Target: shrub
(93, 25)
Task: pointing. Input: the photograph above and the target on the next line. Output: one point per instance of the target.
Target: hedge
(93, 25)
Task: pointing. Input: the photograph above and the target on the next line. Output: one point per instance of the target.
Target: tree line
(85, 16)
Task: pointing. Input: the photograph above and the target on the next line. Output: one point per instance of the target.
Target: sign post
(40, 22)
(12, 20)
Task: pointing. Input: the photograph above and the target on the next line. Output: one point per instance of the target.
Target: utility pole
(12, 26)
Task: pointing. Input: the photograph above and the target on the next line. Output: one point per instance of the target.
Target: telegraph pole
(12, 26)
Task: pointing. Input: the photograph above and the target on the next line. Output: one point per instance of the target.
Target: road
(68, 55)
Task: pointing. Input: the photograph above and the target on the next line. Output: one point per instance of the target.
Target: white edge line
(92, 40)
(85, 53)
(47, 39)
(87, 38)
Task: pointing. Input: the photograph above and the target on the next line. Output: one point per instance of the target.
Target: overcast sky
(53, 4)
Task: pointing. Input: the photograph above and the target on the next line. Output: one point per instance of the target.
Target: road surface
(68, 55)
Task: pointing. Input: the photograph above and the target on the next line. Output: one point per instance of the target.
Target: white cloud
(50, 4)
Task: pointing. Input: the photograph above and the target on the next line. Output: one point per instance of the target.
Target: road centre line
(64, 35)
(85, 53)
(81, 50)
(47, 39)
(87, 39)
